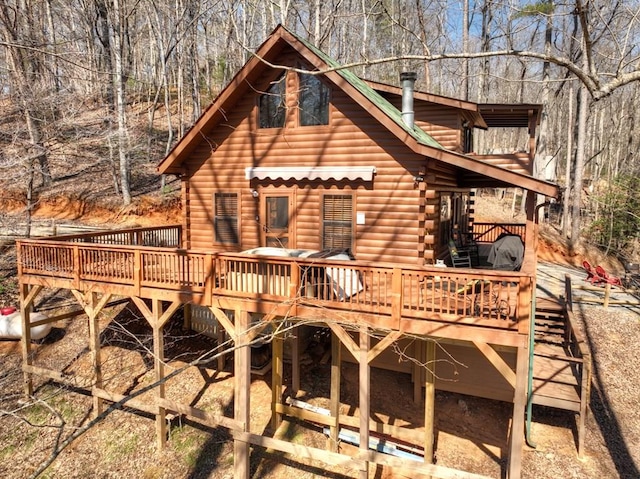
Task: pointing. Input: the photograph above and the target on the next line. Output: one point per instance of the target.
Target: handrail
(161, 236)
(482, 297)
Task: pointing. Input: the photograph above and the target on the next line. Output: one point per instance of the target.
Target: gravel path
(613, 423)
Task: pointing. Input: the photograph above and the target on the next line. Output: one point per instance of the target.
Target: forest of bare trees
(169, 59)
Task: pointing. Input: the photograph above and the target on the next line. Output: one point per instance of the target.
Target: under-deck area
(459, 330)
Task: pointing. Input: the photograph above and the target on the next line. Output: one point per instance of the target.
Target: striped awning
(310, 172)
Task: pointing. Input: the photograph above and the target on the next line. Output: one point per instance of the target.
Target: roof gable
(362, 93)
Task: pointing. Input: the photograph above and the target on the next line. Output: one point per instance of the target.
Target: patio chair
(459, 258)
(466, 242)
(592, 274)
(607, 278)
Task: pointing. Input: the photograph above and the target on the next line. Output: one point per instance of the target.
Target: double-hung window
(337, 222)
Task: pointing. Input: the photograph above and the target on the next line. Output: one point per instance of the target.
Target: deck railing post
(525, 298)
(137, 271)
(294, 287)
(396, 296)
(76, 266)
(209, 272)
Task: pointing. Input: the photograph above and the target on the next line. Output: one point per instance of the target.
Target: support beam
(365, 394)
(429, 400)
(224, 321)
(295, 362)
(334, 407)
(496, 360)
(158, 359)
(27, 296)
(242, 383)
(516, 435)
(277, 371)
(418, 370)
(187, 316)
(92, 309)
(383, 344)
(348, 342)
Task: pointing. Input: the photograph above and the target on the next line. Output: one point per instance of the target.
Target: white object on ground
(11, 326)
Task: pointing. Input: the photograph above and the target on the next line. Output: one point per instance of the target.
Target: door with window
(277, 220)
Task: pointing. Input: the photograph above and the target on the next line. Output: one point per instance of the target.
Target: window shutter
(337, 222)
(226, 218)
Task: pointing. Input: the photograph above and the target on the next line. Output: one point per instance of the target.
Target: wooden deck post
(187, 312)
(429, 400)
(158, 355)
(516, 441)
(336, 360)
(94, 346)
(242, 383)
(365, 394)
(277, 370)
(417, 370)
(295, 362)
(26, 301)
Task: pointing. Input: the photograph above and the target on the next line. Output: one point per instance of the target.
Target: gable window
(225, 221)
(313, 101)
(272, 105)
(337, 222)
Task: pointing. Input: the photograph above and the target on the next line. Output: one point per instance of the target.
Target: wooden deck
(481, 316)
(419, 300)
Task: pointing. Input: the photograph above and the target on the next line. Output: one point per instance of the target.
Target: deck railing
(486, 298)
(160, 236)
(490, 232)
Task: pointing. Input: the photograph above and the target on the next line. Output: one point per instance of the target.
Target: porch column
(242, 383)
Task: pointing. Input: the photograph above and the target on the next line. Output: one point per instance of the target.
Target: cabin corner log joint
(272, 220)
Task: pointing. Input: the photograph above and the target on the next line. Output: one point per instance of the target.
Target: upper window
(272, 105)
(314, 101)
(337, 222)
(225, 222)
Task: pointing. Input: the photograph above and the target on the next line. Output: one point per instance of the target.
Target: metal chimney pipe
(408, 80)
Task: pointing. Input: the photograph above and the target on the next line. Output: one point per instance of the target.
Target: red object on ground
(592, 275)
(6, 311)
(607, 278)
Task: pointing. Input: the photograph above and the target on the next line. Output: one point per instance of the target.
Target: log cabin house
(326, 199)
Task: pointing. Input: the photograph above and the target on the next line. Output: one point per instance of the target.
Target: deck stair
(561, 364)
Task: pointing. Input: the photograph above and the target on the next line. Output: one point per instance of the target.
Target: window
(337, 222)
(272, 105)
(225, 221)
(314, 101)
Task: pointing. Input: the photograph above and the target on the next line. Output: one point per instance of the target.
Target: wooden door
(277, 220)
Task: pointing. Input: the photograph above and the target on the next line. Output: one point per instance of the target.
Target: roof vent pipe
(408, 80)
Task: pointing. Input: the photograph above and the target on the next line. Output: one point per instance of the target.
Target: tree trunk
(567, 180)
(583, 112)
(119, 87)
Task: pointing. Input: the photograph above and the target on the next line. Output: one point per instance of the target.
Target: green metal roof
(387, 108)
